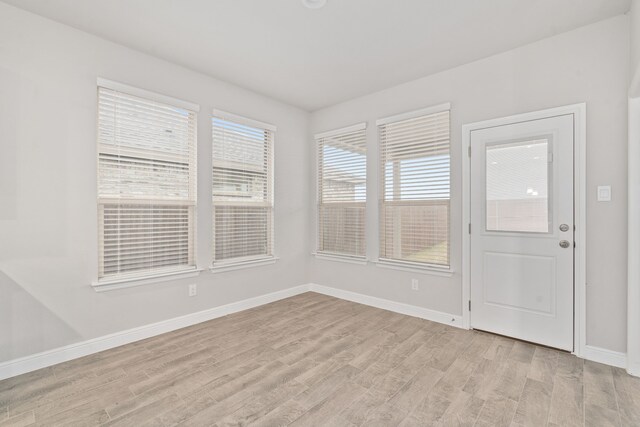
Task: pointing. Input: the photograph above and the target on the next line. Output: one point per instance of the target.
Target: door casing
(579, 181)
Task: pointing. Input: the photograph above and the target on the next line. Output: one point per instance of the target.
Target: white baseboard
(633, 368)
(37, 361)
(602, 355)
(397, 307)
(595, 354)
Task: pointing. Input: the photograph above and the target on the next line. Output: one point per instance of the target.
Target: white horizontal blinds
(342, 187)
(146, 185)
(414, 172)
(242, 191)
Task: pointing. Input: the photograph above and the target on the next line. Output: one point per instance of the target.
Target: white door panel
(521, 194)
(535, 274)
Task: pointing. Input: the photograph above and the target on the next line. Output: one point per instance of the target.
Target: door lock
(564, 244)
(564, 227)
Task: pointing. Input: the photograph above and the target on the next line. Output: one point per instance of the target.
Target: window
(414, 174)
(146, 183)
(517, 186)
(342, 187)
(242, 189)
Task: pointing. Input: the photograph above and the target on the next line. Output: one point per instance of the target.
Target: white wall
(588, 65)
(48, 214)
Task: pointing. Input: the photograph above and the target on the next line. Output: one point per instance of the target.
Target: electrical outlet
(414, 284)
(193, 290)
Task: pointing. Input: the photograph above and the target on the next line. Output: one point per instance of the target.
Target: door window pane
(517, 186)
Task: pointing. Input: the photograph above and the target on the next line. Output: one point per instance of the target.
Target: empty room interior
(320, 212)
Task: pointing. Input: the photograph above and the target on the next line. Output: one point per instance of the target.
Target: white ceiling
(316, 58)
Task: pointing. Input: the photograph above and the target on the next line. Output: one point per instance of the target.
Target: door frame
(580, 208)
(633, 273)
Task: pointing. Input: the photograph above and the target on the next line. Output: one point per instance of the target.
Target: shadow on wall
(20, 311)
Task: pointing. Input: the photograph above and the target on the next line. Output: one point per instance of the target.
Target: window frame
(403, 264)
(328, 255)
(235, 263)
(124, 280)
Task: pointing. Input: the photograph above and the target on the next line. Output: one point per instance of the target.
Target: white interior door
(522, 230)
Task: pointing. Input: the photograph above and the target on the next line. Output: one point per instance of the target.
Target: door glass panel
(517, 186)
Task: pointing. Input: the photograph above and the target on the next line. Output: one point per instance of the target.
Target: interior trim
(44, 359)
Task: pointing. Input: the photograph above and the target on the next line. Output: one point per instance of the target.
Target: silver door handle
(564, 244)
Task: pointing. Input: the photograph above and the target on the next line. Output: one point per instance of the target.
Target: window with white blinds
(342, 188)
(415, 191)
(146, 184)
(242, 189)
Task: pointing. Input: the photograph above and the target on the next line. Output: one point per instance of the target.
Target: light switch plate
(604, 193)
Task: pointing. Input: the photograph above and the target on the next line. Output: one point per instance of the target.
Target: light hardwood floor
(315, 360)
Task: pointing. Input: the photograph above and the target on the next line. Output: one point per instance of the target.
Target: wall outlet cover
(193, 290)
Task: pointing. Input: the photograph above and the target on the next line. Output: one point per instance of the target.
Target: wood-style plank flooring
(314, 360)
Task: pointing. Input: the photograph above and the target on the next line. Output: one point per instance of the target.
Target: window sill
(415, 268)
(130, 282)
(341, 258)
(231, 266)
